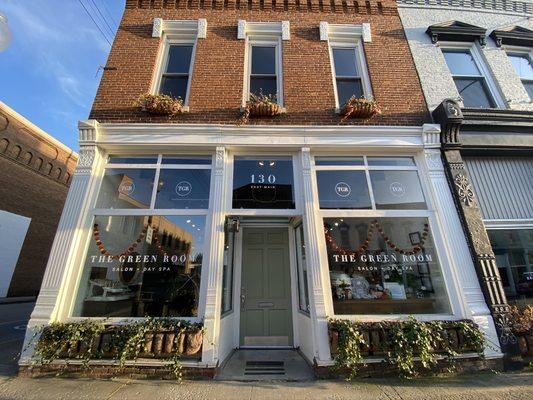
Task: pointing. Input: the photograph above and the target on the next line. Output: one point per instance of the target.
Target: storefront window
(397, 190)
(263, 183)
(514, 256)
(182, 188)
(343, 190)
(384, 266)
(303, 291)
(126, 188)
(140, 266)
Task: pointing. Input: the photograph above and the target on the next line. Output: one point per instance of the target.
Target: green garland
(79, 341)
(407, 344)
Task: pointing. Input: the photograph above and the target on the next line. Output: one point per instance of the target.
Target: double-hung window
(177, 71)
(264, 70)
(469, 79)
(348, 79)
(524, 69)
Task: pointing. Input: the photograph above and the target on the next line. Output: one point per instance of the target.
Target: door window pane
(514, 256)
(343, 190)
(126, 188)
(179, 59)
(474, 92)
(303, 291)
(461, 63)
(384, 266)
(346, 88)
(183, 188)
(174, 86)
(263, 183)
(227, 273)
(345, 62)
(397, 190)
(263, 60)
(139, 266)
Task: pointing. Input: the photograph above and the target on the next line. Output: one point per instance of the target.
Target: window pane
(132, 160)
(179, 59)
(266, 86)
(397, 190)
(343, 190)
(384, 266)
(345, 62)
(174, 86)
(339, 161)
(126, 188)
(303, 291)
(474, 93)
(461, 63)
(391, 161)
(347, 88)
(181, 160)
(139, 266)
(183, 188)
(514, 256)
(263, 183)
(227, 273)
(263, 60)
(529, 88)
(522, 65)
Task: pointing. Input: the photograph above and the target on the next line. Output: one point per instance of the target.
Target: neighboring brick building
(36, 172)
(261, 230)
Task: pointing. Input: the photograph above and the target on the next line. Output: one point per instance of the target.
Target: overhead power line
(110, 14)
(103, 18)
(94, 22)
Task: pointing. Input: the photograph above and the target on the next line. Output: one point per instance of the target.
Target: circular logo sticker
(397, 189)
(183, 188)
(343, 189)
(126, 188)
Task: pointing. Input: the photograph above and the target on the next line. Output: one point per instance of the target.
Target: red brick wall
(34, 183)
(217, 81)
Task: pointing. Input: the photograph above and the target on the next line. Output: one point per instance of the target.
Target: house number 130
(262, 179)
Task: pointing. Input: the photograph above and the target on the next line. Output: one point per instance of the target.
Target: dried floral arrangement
(359, 107)
(160, 104)
(260, 105)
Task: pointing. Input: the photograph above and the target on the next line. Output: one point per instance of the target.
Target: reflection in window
(343, 190)
(263, 75)
(391, 161)
(303, 290)
(347, 76)
(183, 188)
(139, 266)
(227, 273)
(384, 266)
(514, 256)
(263, 183)
(126, 188)
(397, 190)
(524, 69)
(176, 75)
(132, 160)
(329, 160)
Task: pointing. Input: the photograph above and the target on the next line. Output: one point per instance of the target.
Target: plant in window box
(261, 105)
(359, 107)
(160, 104)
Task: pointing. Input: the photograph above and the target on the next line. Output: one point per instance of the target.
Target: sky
(49, 73)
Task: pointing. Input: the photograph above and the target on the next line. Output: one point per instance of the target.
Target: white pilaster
(64, 262)
(214, 260)
(314, 239)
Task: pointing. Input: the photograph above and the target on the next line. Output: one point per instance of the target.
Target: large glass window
(263, 182)
(384, 263)
(263, 72)
(524, 69)
(470, 82)
(514, 256)
(347, 75)
(147, 264)
(175, 78)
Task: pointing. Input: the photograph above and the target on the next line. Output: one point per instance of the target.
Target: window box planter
(261, 106)
(160, 104)
(359, 108)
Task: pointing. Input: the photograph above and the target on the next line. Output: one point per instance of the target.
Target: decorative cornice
(345, 32)
(88, 131)
(510, 6)
(456, 31)
(245, 28)
(495, 117)
(431, 134)
(513, 36)
(448, 114)
(194, 28)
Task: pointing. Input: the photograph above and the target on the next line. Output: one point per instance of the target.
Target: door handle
(243, 299)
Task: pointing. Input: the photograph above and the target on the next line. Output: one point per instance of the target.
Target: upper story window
(524, 69)
(468, 77)
(350, 75)
(263, 58)
(175, 77)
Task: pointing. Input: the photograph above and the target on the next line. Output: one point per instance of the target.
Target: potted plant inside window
(261, 105)
(359, 107)
(160, 104)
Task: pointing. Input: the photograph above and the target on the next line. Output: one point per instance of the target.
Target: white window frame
(520, 51)
(482, 66)
(93, 212)
(451, 292)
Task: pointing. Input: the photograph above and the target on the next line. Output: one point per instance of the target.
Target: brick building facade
(261, 231)
(36, 175)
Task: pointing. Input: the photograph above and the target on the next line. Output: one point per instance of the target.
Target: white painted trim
(192, 28)
(261, 29)
(345, 32)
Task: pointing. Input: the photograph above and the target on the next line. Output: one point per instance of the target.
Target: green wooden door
(266, 317)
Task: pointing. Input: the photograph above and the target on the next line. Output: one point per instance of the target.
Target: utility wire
(94, 22)
(109, 13)
(103, 18)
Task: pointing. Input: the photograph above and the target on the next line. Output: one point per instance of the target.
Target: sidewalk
(470, 387)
